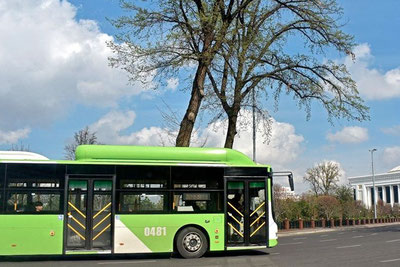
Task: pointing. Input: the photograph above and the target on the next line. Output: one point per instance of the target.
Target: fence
(323, 223)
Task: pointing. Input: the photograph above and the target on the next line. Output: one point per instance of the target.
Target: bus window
(133, 177)
(17, 202)
(142, 202)
(35, 176)
(197, 202)
(90, 169)
(25, 202)
(197, 177)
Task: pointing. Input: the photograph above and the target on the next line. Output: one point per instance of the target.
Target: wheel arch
(201, 228)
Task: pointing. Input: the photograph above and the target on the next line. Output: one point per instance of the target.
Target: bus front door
(88, 224)
(246, 221)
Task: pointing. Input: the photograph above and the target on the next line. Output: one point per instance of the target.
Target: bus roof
(21, 155)
(172, 155)
(141, 155)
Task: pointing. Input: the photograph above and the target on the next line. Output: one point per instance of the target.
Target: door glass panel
(78, 185)
(102, 186)
(235, 212)
(76, 214)
(257, 212)
(101, 235)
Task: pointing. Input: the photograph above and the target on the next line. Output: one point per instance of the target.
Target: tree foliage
(344, 193)
(329, 206)
(256, 57)
(335, 206)
(165, 36)
(323, 178)
(82, 137)
(240, 46)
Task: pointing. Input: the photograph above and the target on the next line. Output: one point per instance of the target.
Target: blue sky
(55, 80)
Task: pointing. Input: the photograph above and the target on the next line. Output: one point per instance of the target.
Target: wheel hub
(192, 242)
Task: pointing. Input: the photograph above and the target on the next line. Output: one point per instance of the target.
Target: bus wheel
(191, 243)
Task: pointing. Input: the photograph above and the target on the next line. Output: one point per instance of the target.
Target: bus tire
(191, 242)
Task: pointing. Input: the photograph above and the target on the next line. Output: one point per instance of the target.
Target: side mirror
(291, 182)
(289, 174)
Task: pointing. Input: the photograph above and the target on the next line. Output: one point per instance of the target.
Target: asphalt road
(372, 246)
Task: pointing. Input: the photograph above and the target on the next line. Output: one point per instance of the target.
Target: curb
(337, 228)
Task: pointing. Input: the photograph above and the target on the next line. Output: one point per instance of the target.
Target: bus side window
(16, 202)
(25, 202)
(141, 177)
(27, 184)
(197, 178)
(197, 202)
(134, 202)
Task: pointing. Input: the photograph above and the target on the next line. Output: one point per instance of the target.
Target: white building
(387, 187)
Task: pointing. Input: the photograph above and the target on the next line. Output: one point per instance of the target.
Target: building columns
(383, 193)
(391, 195)
(369, 198)
(398, 193)
(364, 195)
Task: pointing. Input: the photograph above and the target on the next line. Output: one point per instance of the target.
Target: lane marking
(327, 240)
(275, 253)
(341, 233)
(294, 243)
(123, 262)
(374, 234)
(395, 240)
(353, 246)
(323, 235)
(357, 236)
(299, 238)
(390, 260)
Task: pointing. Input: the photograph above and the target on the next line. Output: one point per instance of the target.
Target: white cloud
(391, 156)
(373, 83)
(395, 130)
(347, 135)
(49, 61)
(12, 137)
(342, 179)
(284, 145)
(172, 83)
(283, 148)
(109, 130)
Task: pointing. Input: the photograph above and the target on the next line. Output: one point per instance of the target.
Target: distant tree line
(326, 199)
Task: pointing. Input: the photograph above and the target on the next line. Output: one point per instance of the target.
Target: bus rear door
(246, 213)
(89, 213)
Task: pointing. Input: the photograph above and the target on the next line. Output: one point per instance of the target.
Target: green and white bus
(132, 199)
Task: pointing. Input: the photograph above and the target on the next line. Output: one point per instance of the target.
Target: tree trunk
(232, 131)
(187, 124)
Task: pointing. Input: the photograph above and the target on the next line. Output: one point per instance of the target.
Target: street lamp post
(373, 178)
(254, 125)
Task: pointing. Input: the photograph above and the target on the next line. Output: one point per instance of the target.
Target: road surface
(372, 246)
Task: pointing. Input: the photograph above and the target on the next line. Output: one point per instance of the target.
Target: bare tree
(82, 137)
(255, 58)
(329, 206)
(169, 35)
(170, 128)
(241, 46)
(279, 201)
(19, 147)
(323, 178)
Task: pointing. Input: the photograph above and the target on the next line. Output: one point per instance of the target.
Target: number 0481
(155, 231)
